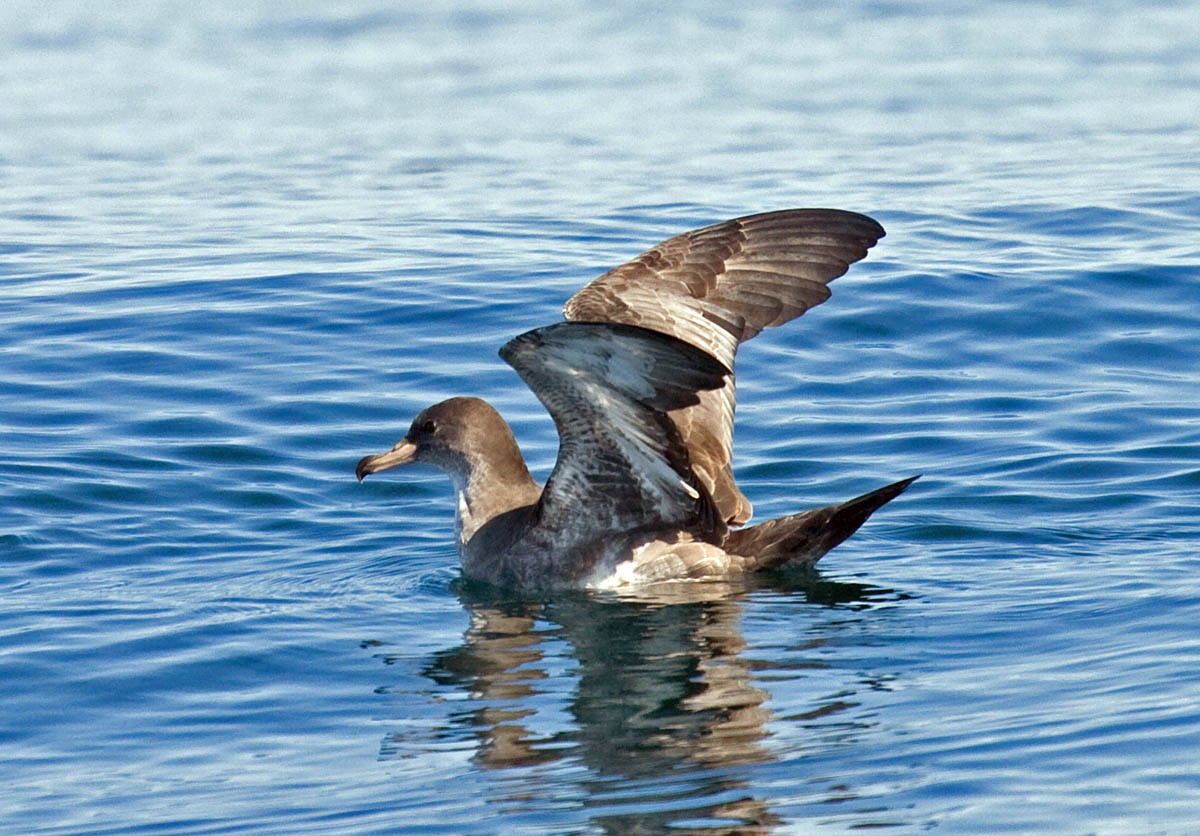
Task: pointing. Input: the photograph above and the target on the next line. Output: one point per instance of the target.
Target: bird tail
(802, 539)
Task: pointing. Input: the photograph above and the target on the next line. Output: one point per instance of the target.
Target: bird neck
(490, 485)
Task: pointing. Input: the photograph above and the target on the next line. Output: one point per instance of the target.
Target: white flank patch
(623, 574)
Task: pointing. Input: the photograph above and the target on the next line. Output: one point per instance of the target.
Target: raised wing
(717, 287)
(621, 464)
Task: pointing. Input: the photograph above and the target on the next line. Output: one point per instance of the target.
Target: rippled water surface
(242, 243)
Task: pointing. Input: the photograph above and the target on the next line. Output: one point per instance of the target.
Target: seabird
(639, 381)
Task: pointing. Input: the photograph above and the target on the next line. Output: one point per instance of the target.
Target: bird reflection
(664, 707)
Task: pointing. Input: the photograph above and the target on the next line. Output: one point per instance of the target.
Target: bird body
(639, 381)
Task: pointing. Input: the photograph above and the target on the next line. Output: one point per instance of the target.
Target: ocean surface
(242, 244)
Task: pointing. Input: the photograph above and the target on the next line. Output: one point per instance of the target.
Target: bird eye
(427, 427)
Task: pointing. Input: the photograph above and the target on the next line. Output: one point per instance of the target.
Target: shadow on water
(660, 712)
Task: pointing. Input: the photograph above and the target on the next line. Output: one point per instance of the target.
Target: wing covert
(719, 286)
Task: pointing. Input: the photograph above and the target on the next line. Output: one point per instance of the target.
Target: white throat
(465, 524)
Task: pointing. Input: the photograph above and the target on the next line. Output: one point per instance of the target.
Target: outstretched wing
(717, 287)
(621, 463)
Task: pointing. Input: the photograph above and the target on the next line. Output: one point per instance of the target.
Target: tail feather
(802, 539)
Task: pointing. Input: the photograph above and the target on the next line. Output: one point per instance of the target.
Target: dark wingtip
(848, 516)
(802, 539)
(872, 500)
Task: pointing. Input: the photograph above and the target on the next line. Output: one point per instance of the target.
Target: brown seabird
(639, 381)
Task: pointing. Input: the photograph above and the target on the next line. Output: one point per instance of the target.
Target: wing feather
(717, 287)
(621, 464)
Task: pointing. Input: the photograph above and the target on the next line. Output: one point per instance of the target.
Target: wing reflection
(652, 695)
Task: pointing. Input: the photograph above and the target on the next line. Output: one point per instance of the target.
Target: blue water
(242, 243)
